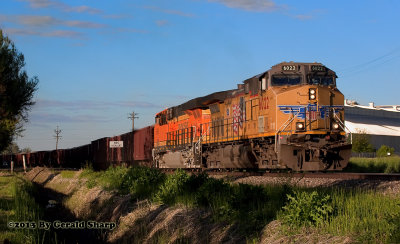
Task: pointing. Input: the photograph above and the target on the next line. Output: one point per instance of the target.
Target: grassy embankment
(374, 165)
(366, 216)
(18, 205)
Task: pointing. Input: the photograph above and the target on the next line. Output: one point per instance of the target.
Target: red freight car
(99, 153)
(77, 157)
(143, 146)
(124, 154)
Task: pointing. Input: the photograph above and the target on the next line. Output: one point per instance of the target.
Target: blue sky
(99, 60)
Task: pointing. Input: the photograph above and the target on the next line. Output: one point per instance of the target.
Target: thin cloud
(83, 9)
(90, 105)
(42, 117)
(64, 33)
(41, 21)
(83, 24)
(303, 17)
(117, 16)
(169, 11)
(34, 20)
(129, 30)
(39, 3)
(62, 6)
(251, 5)
(162, 22)
(55, 33)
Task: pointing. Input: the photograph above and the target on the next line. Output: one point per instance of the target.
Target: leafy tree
(12, 148)
(361, 142)
(26, 150)
(16, 91)
(384, 150)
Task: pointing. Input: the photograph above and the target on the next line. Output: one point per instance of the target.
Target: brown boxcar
(99, 153)
(119, 155)
(143, 145)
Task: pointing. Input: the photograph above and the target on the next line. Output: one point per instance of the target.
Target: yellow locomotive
(291, 116)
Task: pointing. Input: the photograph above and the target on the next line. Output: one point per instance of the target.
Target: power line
(374, 63)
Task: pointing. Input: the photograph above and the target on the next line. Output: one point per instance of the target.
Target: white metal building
(381, 122)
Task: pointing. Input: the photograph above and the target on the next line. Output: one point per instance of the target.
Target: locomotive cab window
(285, 80)
(321, 80)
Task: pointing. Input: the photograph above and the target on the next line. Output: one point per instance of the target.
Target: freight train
(288, 117)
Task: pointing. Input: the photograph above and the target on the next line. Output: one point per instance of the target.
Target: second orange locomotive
(291, 116)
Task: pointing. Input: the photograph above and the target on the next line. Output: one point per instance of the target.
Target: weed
(143, 182)
(307, 209)
(173, 186)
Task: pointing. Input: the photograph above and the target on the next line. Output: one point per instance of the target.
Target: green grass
(17, 204)
(366, 216)
(140, 182)
(374, 165)
(250, 207)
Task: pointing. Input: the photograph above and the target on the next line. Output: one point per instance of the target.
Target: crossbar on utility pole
(133, 116)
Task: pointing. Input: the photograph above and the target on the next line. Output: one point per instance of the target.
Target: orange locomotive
(291, 116)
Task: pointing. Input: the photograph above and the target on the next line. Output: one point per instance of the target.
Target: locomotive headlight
(335, 126)
(300, 126)
(312, 93)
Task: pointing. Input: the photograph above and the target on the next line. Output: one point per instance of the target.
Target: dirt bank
(143, 221)
(136, 221)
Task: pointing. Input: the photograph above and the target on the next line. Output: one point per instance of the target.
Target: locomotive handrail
(197, 146)
(343, 126)
(287, 124)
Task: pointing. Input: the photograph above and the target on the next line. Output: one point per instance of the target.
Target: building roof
(374, 120)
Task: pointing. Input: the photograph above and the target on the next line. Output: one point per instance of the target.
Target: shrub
(361, 142)
(211, 192)
(114, 178)
(307, 209)
(173, 186)
(384, 150)
(142, 182)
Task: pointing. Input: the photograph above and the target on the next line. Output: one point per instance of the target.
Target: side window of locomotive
(285, 80)
(264, 83)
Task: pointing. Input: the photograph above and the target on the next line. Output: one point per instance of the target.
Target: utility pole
(57, 136)
(133, 116)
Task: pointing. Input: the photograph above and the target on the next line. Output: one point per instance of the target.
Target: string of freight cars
(288, 117)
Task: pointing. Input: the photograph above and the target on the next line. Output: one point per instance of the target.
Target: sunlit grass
(366, 216)
(374, 165)
(68, 174)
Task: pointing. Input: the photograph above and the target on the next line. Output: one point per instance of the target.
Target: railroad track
(326, 175)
